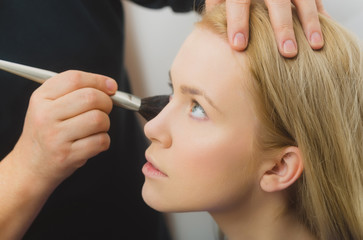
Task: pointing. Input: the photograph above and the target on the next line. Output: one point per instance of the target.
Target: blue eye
(197, 111)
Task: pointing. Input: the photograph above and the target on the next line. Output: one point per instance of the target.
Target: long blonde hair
(315, 102)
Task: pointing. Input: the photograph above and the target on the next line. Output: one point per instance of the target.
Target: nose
(157, 130)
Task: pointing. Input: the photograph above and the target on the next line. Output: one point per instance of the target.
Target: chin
(152, 198)
(167, 203)
(158, 202)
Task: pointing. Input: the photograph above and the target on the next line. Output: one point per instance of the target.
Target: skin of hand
(281, 20)
(66, 124)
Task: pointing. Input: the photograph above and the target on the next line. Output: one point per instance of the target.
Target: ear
(284, 172)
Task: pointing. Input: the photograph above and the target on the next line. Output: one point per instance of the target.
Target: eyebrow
(195, 91)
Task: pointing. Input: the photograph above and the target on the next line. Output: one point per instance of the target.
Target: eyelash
(194, 105)
(170, 84)
(201, 110)
(171, 95)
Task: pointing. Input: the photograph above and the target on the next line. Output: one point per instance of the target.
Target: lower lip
(150, 171)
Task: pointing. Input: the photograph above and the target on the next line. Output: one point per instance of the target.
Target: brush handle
(121, 99)
(35, 74)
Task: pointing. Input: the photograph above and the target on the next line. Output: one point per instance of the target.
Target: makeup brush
(146, 107)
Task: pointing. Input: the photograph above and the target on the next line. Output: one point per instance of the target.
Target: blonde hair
(315, 102)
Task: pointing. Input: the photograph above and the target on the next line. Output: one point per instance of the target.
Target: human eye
(197, 111)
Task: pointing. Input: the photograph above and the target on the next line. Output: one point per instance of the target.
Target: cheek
(206, 173)
(225, 175)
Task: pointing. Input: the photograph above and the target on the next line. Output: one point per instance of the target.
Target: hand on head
(281, 20)
(66, 124)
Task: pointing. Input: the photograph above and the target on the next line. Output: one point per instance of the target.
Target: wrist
(27, 183)
(22, 195)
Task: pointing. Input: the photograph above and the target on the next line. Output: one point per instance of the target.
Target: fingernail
(239, 40)
(315, 38)
(289, 46)
(111, 85)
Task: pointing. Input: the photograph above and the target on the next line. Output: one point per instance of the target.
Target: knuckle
(80, 163)
(107, 123)
(311, 17)
(104, 141)
(58, 150)
(39, 114)
(39, 118)
(99, 120)
(34, 104)
(286, 29)
(61, 154)
(99, 143)
(72, 73)
(90, 97)
(74, 78)
(108, 106)
(35, 98)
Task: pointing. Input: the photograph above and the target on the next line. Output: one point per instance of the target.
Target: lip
(150, 170)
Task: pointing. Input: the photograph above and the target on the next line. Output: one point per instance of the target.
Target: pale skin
(66, 124)
(202, 156)
(281, 20)
(61, 132)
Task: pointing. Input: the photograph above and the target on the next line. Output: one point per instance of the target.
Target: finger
(308, 15)
(85, 148)
(321, 9)
(84, 125)
(70, 81)
(81, 101)
(209, 4)
(238, 14)
(281, 19)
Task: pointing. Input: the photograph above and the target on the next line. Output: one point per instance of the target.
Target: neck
(263, 217)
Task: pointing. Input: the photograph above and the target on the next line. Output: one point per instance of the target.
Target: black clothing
(101, 200)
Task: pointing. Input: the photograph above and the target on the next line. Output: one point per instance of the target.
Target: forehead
(206, 54)
(207, 61)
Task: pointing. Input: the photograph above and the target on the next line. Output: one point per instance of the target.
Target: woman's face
(201, 143)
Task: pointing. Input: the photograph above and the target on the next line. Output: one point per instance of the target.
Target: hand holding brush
(146, 107)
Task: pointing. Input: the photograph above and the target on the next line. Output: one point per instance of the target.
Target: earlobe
(284, 172)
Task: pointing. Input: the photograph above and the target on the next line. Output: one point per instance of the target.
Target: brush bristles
(152, 106)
